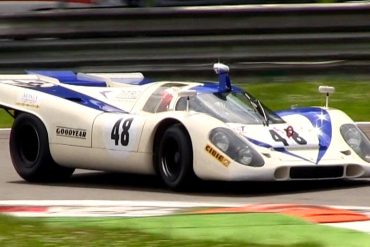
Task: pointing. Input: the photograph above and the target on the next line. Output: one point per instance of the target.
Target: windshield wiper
(258, 108)
(263, 113)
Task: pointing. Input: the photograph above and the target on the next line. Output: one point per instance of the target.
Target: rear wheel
(174, 158)
(29, 150)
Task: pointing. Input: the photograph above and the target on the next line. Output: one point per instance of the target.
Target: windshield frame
(247, 106)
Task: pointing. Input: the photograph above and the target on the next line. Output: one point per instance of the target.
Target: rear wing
(93, 79)
(115, 79)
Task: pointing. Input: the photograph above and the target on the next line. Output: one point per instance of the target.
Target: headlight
(235, 147)
(245, 156)
(356, 140)
(220, 140)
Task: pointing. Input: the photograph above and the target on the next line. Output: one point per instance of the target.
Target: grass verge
(350, 96)
(5, 119)
(254, 230)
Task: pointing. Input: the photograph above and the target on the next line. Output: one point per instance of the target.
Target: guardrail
(252, 39)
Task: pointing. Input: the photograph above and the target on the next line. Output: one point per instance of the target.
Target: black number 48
(123, 135)
(278, 138)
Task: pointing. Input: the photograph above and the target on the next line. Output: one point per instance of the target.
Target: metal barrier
(251, 39)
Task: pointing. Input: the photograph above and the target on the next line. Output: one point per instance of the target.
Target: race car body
(178, 130)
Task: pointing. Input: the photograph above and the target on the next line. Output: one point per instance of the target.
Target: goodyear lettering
(217, 156)
(69, 132)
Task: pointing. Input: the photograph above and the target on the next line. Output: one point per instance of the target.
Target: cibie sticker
(224, 161)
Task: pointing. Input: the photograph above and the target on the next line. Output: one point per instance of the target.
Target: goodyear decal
(224, 161)
(70, 132)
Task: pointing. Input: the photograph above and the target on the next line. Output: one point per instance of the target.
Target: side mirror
(326, 90)
(187, 94)
(220, 68)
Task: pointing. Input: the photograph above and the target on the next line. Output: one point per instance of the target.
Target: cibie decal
(217, 156)
(71, 132)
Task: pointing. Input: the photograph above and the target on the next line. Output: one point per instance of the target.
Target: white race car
(178, 130)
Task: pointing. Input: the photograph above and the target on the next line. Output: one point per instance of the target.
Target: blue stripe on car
(320, 120)
(68, 77)
(280, 149)
(73, 96)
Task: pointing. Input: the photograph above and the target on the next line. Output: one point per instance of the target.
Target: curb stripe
(317, 214)
(98, 208)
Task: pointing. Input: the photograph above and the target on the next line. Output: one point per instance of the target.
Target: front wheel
(174, 158)
(29, 150)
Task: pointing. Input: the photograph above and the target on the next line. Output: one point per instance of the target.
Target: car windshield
(231, 107)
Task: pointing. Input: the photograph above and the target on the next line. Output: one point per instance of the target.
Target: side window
(181, 104)
(153, 101)
(160, 100)
(194, 105)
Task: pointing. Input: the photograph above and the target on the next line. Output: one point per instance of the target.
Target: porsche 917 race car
(178, 130)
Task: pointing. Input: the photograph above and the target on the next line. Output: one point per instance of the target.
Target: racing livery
(177, 130)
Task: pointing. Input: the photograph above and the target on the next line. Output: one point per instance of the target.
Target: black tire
(29, 150)
(174, 158)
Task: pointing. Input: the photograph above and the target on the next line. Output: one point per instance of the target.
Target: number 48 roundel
(120, 132)
(290, 134)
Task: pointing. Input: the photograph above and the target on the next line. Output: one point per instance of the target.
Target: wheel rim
(171, 160)
(28, 143)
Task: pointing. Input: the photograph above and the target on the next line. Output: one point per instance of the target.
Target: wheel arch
(18, 112)
(34, 164)
(161, 128)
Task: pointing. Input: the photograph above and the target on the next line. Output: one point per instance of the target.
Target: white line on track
(98, 208)
(89, 203)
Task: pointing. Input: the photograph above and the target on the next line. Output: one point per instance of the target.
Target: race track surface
(92, 185)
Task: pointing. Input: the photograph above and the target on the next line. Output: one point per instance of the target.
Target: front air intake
(354, 171)
(318, 172)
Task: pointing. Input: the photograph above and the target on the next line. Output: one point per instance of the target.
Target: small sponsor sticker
(71, 132)
(28, 99)
(224, 161)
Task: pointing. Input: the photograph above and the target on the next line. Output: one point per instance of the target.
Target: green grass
(254, 230)
(5, 119)
(279, 93)
(351, 96)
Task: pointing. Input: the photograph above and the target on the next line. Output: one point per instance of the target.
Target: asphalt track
(93, 185)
